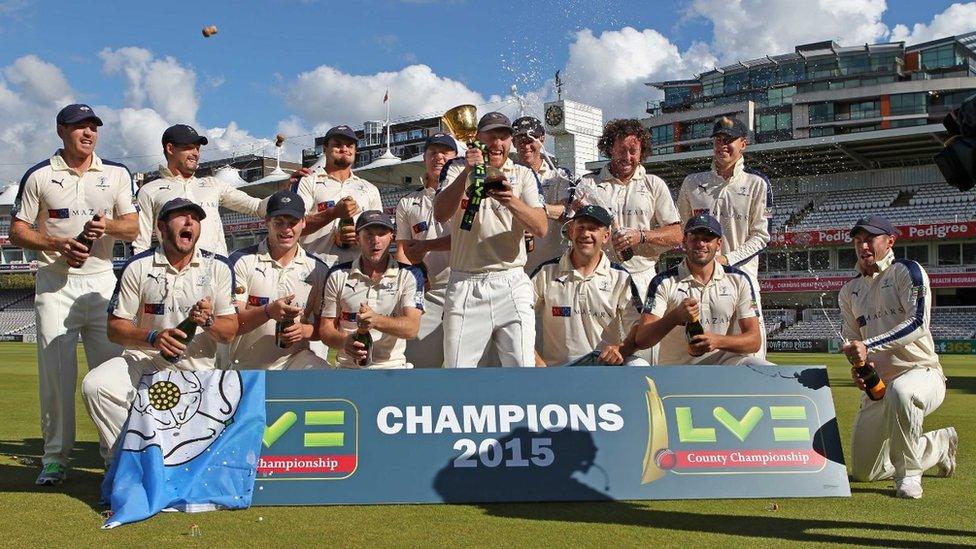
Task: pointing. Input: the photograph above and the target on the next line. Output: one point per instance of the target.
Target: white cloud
(326, 96)
(748, 29)
(164, 84)
(610, 70)
(956, 19)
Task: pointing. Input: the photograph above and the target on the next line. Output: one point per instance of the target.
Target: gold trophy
(462, 123)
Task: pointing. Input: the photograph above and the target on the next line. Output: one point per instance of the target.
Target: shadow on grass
(82, 484)
(781, 528)
(964, 384)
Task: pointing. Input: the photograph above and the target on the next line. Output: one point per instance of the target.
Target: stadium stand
(902, 206)
(22, 300)
(390, 199)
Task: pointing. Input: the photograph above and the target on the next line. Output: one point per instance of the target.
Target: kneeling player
(372, 295)
(279, 294)
(159, 289)
(583, 301)
(705, 294)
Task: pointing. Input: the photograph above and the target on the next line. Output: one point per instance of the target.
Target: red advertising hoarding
(840, 237)
(834, 283)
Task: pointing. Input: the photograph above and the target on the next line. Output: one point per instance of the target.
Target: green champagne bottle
(84, 240)
(343, 223)
(189, 328)
(280, 328)
(363, 336)
(692, 329)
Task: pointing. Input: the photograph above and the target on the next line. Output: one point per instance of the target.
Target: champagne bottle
(363, 336)
(343, 223)
(280, 327)
(84, 240)
(692, 329)
(627, 253)
(529, 243)
(874, 386)
(189, 328)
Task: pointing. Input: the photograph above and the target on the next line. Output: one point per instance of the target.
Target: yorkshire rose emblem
(181, 413)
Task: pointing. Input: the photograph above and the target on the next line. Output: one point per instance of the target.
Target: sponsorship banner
(955, 346)
(11, 337)
(841, 236)
(554, 434)
(797, 345)
(834, 283)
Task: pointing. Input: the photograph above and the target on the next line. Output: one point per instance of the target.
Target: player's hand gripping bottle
(363, 336)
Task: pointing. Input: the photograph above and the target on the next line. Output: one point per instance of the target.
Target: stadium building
(841, 132)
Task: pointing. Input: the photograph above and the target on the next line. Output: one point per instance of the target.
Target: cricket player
(554, 186)
(374, 292)
(56, 202)
(181, 147)
(489, 296)
(719, 296)
(278, 282)
(645, 219)
(160, 288)
(333, 194)
(886, 311)
(741, 199)
(585, 303)
(425, 242)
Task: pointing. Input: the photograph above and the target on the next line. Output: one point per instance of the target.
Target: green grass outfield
(66, 516)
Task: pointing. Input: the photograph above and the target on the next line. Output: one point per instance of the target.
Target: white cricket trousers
(643, 281)
(887, 441)
(427, 350)
(108, 391)
(68, 306)
(489, 309)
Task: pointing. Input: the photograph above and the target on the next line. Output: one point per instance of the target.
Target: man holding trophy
(490, 203)
(165, 296)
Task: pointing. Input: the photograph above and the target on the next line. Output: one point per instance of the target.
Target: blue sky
(249, 73)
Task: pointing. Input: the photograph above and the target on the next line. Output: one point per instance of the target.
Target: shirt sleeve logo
(419, 227)
(154, 308)
(322, 206)
(60, 213)
(257, 301)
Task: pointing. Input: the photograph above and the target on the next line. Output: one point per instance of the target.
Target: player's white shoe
(909, 487)
(51, 474)
(948, 464)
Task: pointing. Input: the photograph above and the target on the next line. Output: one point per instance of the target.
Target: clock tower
(575, 128)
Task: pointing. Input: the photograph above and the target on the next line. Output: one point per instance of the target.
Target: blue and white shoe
(51, 474)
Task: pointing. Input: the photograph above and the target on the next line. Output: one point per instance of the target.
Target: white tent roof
(7, 195)
(231, 176)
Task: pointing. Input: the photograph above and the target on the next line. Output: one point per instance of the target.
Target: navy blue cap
(76, 113)
(493, 121)
(730, 126)
(596, 213)
(374, 217)
(180, 203)
(874, 224)
(441, 139)
(529, 125)
(286, 203)
(341, 131)
(183, 134)
(704, 221)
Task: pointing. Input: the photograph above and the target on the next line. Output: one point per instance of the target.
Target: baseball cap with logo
(370, 218)
(529, 125)
(493, 121)
(286, 203)
(76, 113)
(180, 203)
(730, 126)
(874, 224)
(341, 131)
(182, 134)
(441, 139)
(596, 213)
(704, 222)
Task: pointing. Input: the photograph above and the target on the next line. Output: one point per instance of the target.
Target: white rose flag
(191, 443)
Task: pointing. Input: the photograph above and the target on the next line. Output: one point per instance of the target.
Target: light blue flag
(191, 443)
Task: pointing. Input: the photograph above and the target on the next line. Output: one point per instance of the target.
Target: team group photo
(730, 300)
